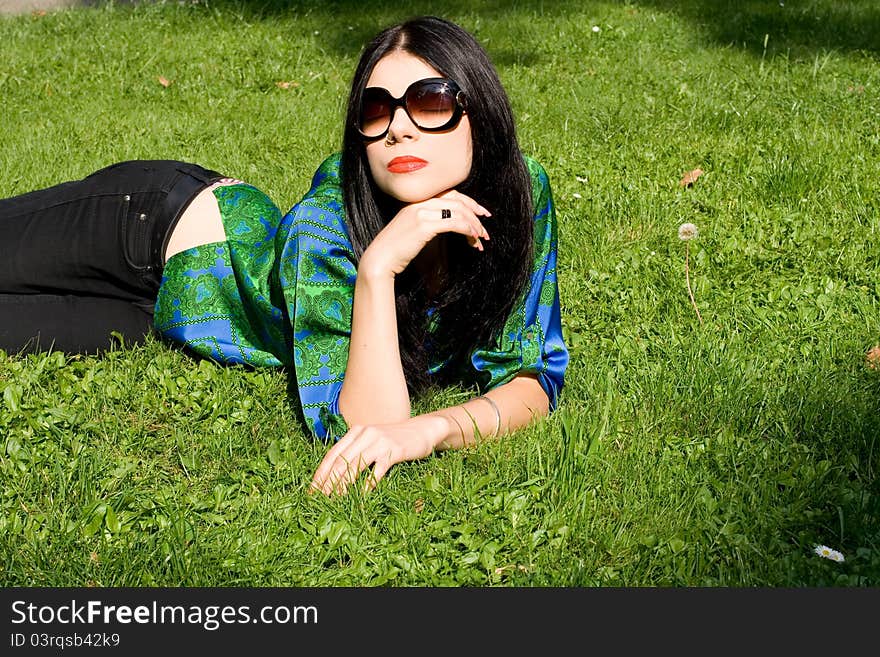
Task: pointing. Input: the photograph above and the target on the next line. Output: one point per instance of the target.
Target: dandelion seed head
(687, 232)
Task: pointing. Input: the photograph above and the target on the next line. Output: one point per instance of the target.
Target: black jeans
(84, 258)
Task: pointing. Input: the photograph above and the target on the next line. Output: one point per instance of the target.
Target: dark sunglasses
(432, 104)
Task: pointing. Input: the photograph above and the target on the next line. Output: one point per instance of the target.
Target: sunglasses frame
(458, 96)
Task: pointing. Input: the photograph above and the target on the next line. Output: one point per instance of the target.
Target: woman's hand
(379, 447)
(417, 224)
(518, 403)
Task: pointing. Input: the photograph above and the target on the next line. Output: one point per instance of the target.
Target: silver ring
(445, 213)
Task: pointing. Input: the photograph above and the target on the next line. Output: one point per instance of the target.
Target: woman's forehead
(397, 70)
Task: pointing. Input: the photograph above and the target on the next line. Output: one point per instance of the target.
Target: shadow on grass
(838, 417)
(805, 28)
(802, 27)
(841, 409)
(351, 24)
(796, 26)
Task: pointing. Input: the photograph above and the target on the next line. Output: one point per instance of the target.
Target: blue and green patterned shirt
(279, 292)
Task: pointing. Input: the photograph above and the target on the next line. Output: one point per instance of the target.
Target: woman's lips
(405, 164)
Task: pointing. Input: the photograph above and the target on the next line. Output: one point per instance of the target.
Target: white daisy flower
(827, 553)
(687, 232)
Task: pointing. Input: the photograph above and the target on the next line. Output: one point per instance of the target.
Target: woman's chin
(416, 193)
(408, 197)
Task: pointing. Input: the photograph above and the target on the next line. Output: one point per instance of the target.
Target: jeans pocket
(136, 238)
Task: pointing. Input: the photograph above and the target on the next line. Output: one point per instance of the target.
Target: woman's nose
(401, 126)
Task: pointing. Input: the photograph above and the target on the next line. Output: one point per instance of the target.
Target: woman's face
(416, 165)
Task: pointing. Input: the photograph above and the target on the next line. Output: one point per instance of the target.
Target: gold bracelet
(497, 414)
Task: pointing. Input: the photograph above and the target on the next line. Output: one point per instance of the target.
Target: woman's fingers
(372, 449)
(475, 207)
(451, 215)
(353, 454)
(344, 462)
(475, 210)
(323, 479)
(379, 471)
(341, 473)
(456, 220)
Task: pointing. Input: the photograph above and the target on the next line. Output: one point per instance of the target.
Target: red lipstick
(406, 164)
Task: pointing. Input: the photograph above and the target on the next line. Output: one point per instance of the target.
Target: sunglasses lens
(431, 105)
(375, 112)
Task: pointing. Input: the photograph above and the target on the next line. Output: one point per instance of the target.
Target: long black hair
(479, 289)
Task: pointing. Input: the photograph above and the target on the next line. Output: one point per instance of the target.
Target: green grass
(682, 454)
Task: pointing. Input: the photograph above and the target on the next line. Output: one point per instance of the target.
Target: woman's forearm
(518, 403)
(380, 446)
(374, 390)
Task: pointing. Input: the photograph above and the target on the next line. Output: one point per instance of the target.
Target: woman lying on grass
(423, 254)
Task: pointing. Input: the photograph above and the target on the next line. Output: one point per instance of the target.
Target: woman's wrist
(371, 270)
(437, 428)
(446, 432)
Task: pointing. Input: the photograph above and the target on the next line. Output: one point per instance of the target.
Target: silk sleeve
(531, 341)
(215, 299)
(317, 276)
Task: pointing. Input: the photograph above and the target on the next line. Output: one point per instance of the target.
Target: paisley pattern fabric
(217, 299)
(531, 341)
(279, 291)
